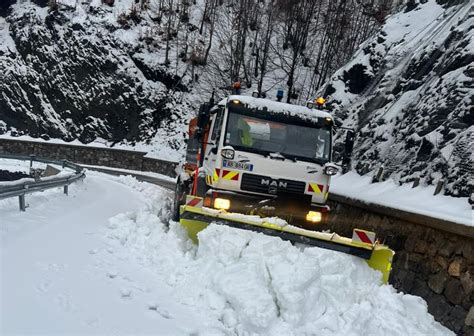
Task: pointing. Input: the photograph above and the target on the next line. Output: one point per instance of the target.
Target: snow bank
(24, 167)
(133, 274)
(418, 200)
(17, 165)
(247, 283)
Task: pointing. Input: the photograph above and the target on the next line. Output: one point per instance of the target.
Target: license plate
(237, 165)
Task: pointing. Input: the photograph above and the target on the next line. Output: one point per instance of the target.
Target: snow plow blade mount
(378, 257)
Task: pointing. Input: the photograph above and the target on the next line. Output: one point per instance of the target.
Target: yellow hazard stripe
(230, 175)
(315, 187)
(215, 176)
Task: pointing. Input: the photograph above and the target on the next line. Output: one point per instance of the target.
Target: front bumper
(291, 207)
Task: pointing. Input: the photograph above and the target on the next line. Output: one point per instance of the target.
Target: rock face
(70, 74)
(409, 94)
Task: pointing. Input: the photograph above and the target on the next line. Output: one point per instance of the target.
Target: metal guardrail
(27, 187)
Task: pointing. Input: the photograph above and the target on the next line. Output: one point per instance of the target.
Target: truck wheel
(179, 199)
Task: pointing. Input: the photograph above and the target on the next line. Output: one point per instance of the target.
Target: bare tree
(169, 24)
(297, 19)
(310, 39)
(264, 43)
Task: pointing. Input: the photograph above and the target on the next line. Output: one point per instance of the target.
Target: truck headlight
(222, 204)
(314, 216)
(228, 153)
(330, 170)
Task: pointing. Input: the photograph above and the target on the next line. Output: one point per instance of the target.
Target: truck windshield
(291, 141)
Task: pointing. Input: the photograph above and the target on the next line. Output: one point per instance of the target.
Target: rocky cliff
(75, 72)
(409, 92)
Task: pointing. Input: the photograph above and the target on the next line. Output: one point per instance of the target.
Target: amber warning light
(320, 101)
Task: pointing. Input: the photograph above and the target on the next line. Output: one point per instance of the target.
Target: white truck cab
(268, 158)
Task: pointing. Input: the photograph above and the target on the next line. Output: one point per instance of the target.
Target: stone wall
(116, 158)
(433, 263)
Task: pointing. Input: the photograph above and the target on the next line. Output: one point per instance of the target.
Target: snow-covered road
(102, 261)
(59, 276)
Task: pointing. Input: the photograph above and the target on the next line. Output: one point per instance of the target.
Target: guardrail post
(66, 189)
(21, 198)
(439, 187)
(32, 158)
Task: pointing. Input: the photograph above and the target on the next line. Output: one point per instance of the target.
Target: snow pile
(247, 283)
(417, 200)
(127, 272)
(278, 107)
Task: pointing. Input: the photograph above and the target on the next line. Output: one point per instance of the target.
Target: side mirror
(202, 120)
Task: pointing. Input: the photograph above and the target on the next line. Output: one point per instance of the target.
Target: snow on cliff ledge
(409, 92)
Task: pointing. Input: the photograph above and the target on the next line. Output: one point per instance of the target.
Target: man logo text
(273, 183)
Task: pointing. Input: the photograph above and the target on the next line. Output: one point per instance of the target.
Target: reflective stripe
(363, 236)
(315, 188)
(215, 176)
(230, 175)
(193, 201)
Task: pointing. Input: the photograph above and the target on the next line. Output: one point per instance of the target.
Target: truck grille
(268, 185)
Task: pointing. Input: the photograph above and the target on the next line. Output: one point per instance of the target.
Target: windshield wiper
(281, 156)
(289, 157)
(277, 156)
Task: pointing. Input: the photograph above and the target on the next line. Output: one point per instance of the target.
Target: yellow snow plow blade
(379, 257)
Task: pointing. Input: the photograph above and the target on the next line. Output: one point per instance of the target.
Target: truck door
(210, 158)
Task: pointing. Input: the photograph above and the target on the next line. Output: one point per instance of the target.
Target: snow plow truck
(261, 165)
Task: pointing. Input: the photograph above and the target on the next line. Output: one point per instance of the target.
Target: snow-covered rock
(77, 73)
(409, 94)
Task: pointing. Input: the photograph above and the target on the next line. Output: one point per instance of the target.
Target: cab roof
(278, 107)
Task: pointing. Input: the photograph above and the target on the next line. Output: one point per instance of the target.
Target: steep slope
(409, 93)
(136, 70)
(71, 74)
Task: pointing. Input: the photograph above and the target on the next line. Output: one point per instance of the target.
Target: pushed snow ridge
(106, 260)
(245, 283)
